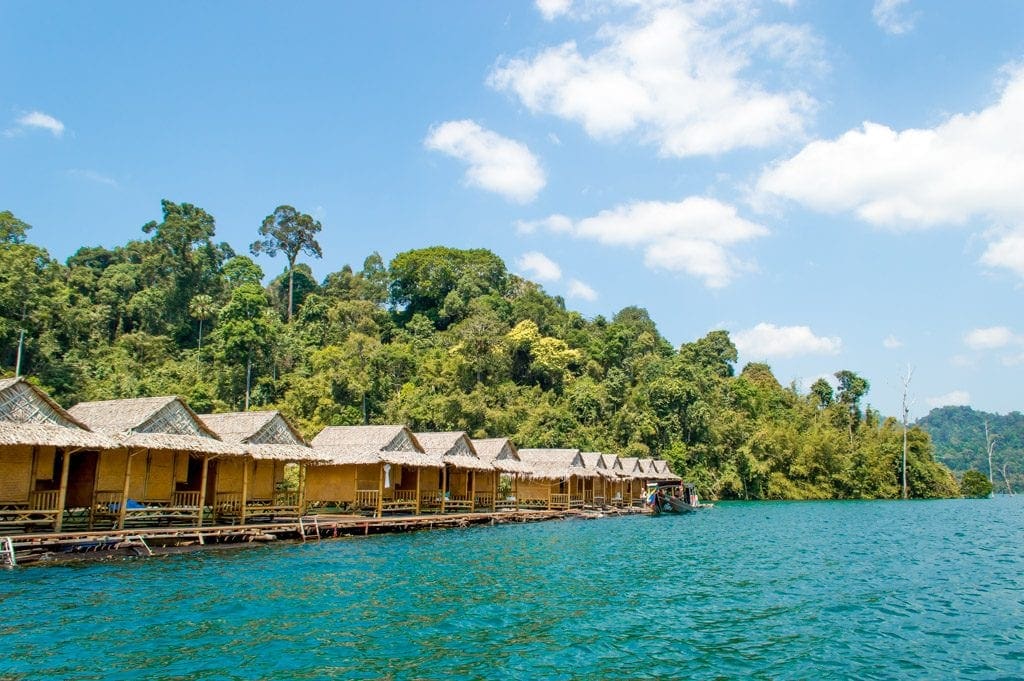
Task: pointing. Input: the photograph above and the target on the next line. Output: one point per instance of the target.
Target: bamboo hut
(370, 468)
(554, 480)
(462, 466)
(660, 471)
(253, 486)
(596, 489)
(504, 457)
(158, 475)
(47, 459)
(634, 481)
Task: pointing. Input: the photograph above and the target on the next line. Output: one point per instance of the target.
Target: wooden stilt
(494, 490)
(302, 491)
(472, 490)
(122, 510)
(444, 485)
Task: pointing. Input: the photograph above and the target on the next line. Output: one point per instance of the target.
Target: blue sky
(838, 184)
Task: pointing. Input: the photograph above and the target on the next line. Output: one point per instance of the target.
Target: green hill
(958, 435)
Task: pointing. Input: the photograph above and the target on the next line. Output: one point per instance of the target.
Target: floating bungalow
(503, 456)
(372, 468)
(660, 471)
(633, 480)
(47, 459)
(554, 480)
(253, 486)
(158, 472)
(596, 489)
(466, 480)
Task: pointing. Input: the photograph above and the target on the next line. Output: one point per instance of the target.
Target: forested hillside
(958, 434)
(439, 339)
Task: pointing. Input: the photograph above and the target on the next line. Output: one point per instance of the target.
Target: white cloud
(552, 9)
(768, 340)
(968, 166)
(675, 74)
(539, 266)
(990, 338)
(577, 289)
(889, 16)
(36, 120)
(693, 236)
(94, 176)
(956, 398)
(891, 342)
(1007, 251)
(496, 163)
(1013, 360)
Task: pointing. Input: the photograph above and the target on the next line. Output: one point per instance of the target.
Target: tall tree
(201, 308)
(12, 230)
(290, 232)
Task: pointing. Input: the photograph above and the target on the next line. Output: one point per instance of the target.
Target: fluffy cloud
(968, 166)
(990, 338)
(496, 163)
(675, 74)
(539, 266)
(956, 398)
(889, 16)
(39, 121)
(693, 236)
(577, 289)
(768, 340)
(891, 342)
(1006, 251)
(552, 9)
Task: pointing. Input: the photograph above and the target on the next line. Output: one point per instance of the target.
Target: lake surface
(920, 589)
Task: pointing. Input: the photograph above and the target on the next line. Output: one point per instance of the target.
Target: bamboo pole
(380, 493)
(494, 489)
(202, 490)
(62, 495)
(245, 489)
(549, 495)
(444, 485)
(418, 490)
(122, 510)
(472, 490)
(302, 490)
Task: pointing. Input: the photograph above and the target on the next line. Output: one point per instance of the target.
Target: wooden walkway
(31, 548)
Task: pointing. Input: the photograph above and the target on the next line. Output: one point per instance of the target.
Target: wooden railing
(575, 501)
(228, 503)
(560, 501)
(44, 501)
(366, 498)
(430, 499)
(458, 502)
(186, 499)
(482, 501)
(404, 495)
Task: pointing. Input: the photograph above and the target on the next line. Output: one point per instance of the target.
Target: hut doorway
(81, 478)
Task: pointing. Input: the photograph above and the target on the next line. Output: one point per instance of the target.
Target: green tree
(292, 233)
(201, 308)
(12, 230)
(975, 484)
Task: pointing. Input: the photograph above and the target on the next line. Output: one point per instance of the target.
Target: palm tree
(201, 308)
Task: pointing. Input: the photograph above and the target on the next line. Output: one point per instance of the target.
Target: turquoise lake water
(802, 590)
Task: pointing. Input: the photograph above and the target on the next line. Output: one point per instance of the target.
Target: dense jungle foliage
(439, 339)
(958, 435)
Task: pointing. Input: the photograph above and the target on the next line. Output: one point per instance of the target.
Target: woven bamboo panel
(262, 482)
(458, 482)
(368, 476)
(15, 473)
(229, 475)
(533, 488)
(44, 463)
(181, 467)
(330, 483)
(160, 482)
(110, 470)
(136, 477)
(484, 480)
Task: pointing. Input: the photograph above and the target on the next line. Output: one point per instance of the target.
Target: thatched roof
(455, 448)
(661, 471)
(610, 461)
(153, 423)
(630, 468)
(264, 434)
(595, 461)
(554, 464)
(28, 416)
(396, 445)
(500, 453)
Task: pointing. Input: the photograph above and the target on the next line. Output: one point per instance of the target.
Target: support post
(472, 490)
(202, 490)
(380, 493)
(418, 490)
(494, 489)
(245, 489)
(62, 495)
(444, 486)
(122, 510)
(302, 490)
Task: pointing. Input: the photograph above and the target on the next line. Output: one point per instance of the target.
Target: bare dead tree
(906, 417)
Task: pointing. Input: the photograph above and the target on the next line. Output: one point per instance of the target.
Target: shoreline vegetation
(439, 339)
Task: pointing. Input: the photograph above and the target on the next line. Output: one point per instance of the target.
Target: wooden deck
(51, 546)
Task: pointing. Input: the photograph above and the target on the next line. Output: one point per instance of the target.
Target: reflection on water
(762, 590)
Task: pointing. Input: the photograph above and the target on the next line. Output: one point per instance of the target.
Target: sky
(840, 185)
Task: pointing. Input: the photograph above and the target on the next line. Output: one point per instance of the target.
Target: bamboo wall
(534, 488)
(332, 483)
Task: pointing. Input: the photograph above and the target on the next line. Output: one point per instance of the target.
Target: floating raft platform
(24, 549)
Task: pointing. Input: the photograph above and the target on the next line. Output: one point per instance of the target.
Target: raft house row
(152, 462)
